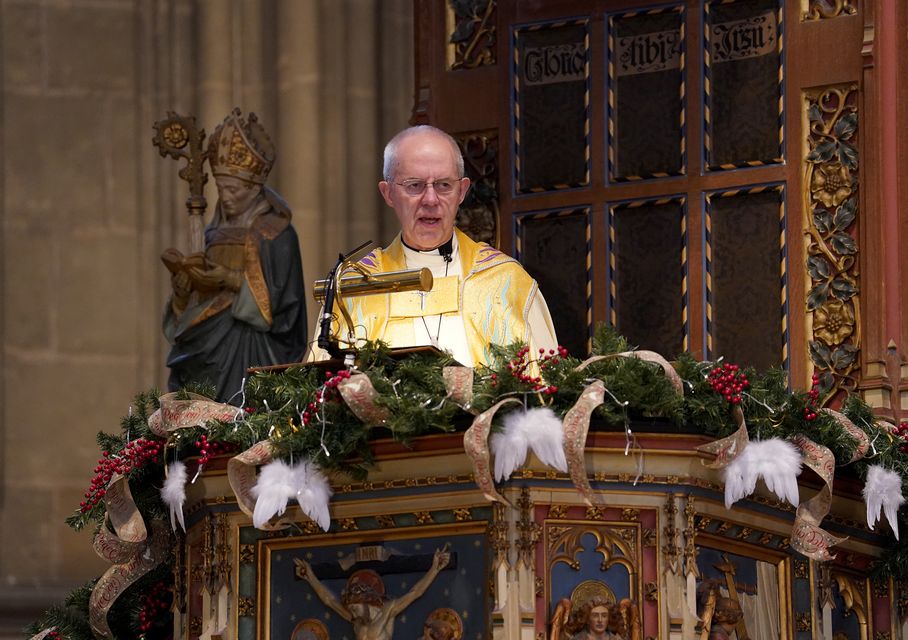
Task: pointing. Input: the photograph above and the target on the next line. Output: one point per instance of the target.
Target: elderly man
(480, 295)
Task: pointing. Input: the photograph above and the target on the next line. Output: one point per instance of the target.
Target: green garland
(284, 408)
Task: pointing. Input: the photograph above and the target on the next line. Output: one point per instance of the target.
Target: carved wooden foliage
(825, 9)
(478, 214)
(831, 196)
(471, 33)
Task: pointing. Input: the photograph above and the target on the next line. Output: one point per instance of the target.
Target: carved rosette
(831, 198)
(825, 9)
(478, 214)
(471, 33)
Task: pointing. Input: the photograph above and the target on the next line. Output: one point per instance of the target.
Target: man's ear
(385, 188)
(464, 188)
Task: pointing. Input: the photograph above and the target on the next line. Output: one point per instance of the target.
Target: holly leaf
(822, 220)
(846, 126)
(818, 267)
(822, 152)
(845, 214)
(817, 296)
(820, 354)
(844, 356)
(843, 289)
(848, 155)
(843, 244)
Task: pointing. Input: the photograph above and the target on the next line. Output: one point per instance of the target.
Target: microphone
(447, 249)
(324, 336)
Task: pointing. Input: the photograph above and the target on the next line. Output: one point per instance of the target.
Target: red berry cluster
(902, 432)
(325, 394)
(553, 357)
(518, 367)
(729, 381)
(54, 635)
(155, 603)
(135, 455)
(208, 450)
(813, 397)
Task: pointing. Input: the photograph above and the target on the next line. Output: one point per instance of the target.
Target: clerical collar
(445, 250)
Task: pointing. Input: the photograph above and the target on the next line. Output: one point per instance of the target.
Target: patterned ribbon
(646, 356)
(807, 538)
(728, 448)
(854, 431)
(459, 384)
(241, 475)
(128, 549)
(476, 446)
(359, 394)
(576, 426)
(196, 412)
(43, 634)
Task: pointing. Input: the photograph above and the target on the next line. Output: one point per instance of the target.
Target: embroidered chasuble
(481, 296)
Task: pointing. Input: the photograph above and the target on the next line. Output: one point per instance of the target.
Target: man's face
(362, 611)
(236, 195)
(426, 220)
(598, 619)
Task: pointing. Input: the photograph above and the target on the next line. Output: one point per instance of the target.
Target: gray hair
(390, 155)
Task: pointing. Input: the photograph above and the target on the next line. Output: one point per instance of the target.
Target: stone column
(300, 129)
(219, 55)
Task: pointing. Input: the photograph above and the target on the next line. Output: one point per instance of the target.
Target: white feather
(883, 489)
(274, 488)
(510, 445)
(313, 492)
(545, 435)
(173, 493)
(538, 429)
(776, 461)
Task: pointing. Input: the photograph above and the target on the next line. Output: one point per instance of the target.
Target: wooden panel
(554, 246)
(744, 269)
(551, 110)
(743, 50)
(647, 248)
(646, 94)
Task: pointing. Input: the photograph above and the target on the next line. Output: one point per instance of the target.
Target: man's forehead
(425, 146)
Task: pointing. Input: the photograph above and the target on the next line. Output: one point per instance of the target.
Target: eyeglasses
(442, 187)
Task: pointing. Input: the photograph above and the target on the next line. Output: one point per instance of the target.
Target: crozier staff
(480, 295)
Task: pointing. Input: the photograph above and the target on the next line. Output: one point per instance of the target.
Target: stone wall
(88, 205)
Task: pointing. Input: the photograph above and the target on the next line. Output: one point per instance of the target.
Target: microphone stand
(331, 287)
(324, 335)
